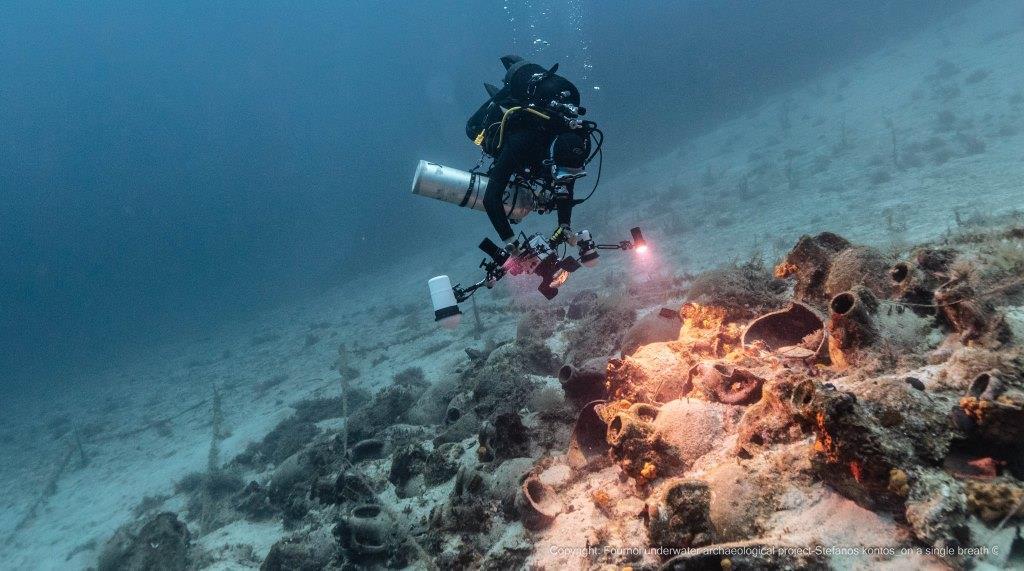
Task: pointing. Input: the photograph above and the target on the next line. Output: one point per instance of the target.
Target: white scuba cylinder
(467, 189)
(446, 309)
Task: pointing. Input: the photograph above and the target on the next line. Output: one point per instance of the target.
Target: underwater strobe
(446, 308)
(539, 256)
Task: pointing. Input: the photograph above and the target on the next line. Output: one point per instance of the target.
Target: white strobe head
(446, 309)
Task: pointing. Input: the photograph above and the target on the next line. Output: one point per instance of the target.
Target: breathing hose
(504, 119)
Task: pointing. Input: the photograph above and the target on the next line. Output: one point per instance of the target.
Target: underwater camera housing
(539, 255)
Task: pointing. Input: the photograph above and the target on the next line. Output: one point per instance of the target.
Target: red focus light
(641, 249)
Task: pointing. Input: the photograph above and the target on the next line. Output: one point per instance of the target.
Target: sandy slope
(757, 182)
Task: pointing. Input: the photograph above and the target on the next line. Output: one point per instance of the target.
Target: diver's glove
(512, 248)
(563, 176)
(563, 234)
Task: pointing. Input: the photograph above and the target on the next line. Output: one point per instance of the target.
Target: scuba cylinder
(467, 189)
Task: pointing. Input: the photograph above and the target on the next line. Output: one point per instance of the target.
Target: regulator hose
(598, 137)
(504, 119)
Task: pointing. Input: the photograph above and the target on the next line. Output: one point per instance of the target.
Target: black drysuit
(526, 144)
(520, 149)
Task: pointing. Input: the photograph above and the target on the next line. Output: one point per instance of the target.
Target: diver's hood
(519, 72)
(509, 60)
(524, 80)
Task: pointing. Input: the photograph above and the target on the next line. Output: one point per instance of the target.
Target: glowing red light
(559, 278)
(641, 249)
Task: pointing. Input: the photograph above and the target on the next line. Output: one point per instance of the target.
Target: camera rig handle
(493, 273)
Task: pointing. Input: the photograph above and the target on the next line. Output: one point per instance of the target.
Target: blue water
(165, 166)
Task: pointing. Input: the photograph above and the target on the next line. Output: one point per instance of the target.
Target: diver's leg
(563, 204)
(497, 181)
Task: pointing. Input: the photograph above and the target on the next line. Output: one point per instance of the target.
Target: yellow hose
(504, 118)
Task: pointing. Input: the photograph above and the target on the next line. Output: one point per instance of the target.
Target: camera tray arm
(496, 268)
(637, 242)
(493, 272)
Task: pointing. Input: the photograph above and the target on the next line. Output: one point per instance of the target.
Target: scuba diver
(531, 128)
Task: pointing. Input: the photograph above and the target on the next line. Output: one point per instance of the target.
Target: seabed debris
(844, 406)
